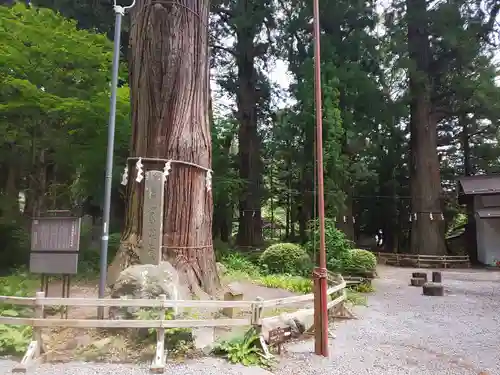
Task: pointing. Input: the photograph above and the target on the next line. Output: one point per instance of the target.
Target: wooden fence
(38, 322)
(417, 260)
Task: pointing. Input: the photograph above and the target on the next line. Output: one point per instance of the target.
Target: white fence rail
(35, 348)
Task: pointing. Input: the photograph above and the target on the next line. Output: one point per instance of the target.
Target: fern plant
(245, 350)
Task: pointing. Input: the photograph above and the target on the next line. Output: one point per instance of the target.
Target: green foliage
(177, 340)
(240, 268)
(54, 105)
(286, 258)
(14, 339)
(221, 249)
(239, 263)
(363, 288)
(356, 298)
(14, 242)
(89, 261)
(337, 245)
(296, 284)
(245, 350)
(359, 261)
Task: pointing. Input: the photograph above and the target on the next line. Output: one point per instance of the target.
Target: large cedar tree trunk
(250, 216)
(427, 235)
(169, 82)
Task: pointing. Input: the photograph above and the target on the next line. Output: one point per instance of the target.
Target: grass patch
(296, 284)
(363, 288)
(355, 298)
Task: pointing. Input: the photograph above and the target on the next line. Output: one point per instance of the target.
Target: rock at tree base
(145, 281)
(419, 275)
(436, 277)
(417, 281)
(204, 339)
(432, 289)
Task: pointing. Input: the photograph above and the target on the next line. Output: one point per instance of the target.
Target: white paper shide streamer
(140, 171)
(167, 168)
(208, 180)
(125, 176)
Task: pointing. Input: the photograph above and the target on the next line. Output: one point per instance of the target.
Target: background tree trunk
(169, 82)
(427, 235)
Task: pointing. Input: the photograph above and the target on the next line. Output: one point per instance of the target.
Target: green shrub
(285, 258)
(360, 262)
(337, 245)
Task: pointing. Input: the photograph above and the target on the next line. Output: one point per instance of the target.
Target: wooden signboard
(55, 234)
(152, 217)
(53, 263)
(55, 242)
(278, 336)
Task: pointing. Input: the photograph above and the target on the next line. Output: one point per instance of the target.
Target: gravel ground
(403, 332)
(400, 332)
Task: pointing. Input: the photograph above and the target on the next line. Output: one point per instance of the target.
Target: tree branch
(225, 49)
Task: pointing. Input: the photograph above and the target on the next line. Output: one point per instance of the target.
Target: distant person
(379, 238)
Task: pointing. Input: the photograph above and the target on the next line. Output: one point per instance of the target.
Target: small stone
(420, 275)
(436, 277)
(204, 339)
(433, 289)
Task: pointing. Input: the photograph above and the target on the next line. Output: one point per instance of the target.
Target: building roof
(486, 213)
(479, 185)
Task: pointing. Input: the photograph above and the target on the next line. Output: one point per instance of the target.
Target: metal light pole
(119, 13)
(320, 273)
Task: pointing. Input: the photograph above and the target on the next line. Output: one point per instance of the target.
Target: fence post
(39, 314)
(158, 365)
(256, 320)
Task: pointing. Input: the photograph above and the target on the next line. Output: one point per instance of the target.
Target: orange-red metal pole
(320, 284)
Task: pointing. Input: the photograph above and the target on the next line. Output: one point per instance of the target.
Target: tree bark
(250, 215)
(169, 82)
(427, 235)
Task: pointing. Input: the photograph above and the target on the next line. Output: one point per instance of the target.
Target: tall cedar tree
(169, 82)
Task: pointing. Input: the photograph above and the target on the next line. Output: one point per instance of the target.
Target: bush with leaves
(337, 245)
(286, 258)
(14, 339)
(245, 350)
(360, 262)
